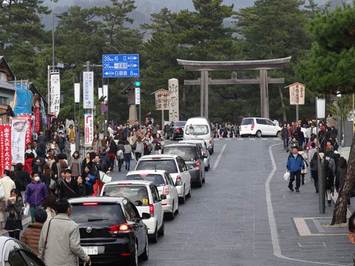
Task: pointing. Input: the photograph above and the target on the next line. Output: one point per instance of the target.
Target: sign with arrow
(120, 65)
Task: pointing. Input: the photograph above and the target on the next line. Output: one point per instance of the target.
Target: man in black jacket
(68, 187)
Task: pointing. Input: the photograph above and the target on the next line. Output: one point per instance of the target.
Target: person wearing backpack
(295, 165)
(314, 170)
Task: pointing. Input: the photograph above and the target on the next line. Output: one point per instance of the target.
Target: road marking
(272, 221)
(302, 227)
(219, 157)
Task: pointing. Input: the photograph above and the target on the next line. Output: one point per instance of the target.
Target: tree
(273, 29)
(22, 35)
(327, 69)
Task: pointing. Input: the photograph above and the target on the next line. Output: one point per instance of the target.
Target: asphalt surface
(226, 221)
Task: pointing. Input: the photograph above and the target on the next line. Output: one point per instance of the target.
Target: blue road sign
(120, 65)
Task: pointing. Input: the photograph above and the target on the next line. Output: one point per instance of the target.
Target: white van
(199, 128)
(258, 126)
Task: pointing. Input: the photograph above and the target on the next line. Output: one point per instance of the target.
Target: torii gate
(263, 80)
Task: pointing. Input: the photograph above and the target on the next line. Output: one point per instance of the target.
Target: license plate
(91, 250)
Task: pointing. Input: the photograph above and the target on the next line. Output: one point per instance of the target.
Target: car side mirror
(146, 216)
(163, 197)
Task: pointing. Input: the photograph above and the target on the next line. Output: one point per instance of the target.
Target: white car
(257, 126)
(165, 185)
(206, 155)
(145, 195)
(199, 128)
(172, 164)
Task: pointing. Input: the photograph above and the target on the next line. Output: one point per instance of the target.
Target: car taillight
(252, 126)
(166, 190)
(197, 164)
(151, 210)
(120, 228)
(90, 203)
(178, 181)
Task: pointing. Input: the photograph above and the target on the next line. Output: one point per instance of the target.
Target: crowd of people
(307, 146)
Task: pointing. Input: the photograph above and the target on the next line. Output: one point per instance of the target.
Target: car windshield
(96, 212)
(247, 121)
(158, 180)
(137, 194)
(168, 165)
(188, 153)
(197, 130)
(180, 124)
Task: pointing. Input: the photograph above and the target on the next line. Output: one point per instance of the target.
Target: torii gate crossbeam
(204, 67)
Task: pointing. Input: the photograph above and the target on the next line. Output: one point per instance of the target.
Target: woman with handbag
(14, 219)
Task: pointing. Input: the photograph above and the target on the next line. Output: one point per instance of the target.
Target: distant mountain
(147, 7)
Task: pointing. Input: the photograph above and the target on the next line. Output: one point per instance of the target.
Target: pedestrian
(35, 193)
(340, 174)
(305, 165)
(81, 187)
(127, 154)
(31, 234)
(314, 170)
(14, 214)
(68, 187)
(139, 148)
(49, 205)
(120, 159)
(329, 166)
(59, 243)
(285, 136)
(8, 184)
(21, 178)
(75, 165)
(294, 166)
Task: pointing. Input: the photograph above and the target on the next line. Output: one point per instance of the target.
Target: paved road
(226, 221)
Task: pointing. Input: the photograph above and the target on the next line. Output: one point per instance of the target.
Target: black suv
(111, 229)
(192, 155)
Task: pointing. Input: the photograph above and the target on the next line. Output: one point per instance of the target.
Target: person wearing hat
(295, 164)
(32, 233)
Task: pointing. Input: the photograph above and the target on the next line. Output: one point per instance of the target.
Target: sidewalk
(304, 234)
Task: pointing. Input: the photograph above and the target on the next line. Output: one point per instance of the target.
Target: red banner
(37, 115)
(6, 150)
(1, 150)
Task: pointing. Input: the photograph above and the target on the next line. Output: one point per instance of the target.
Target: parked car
(176, 130)
(199, 128)
(165, 185)
(145, 195)
(192, 154)
(206, 155)
(172, 164)
(257, 126)
(14, 252)
(111, 229)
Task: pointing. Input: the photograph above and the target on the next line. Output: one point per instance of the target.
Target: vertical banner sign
(161, 99)
(2, 150)
(55, 93)
(18, 138)
(88, 90)
(37, 115)
(89, 129)
(6, 150)
(105, 92)
(297, 93)
(320, 108)
(99, 93)
(137, 93)
(77, 92)
(173, 100)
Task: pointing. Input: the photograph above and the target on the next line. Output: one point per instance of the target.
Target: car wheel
(258, 134)
(133, 260)
(145, 255)
(161, 230)
(182, 199)
(154, 237)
